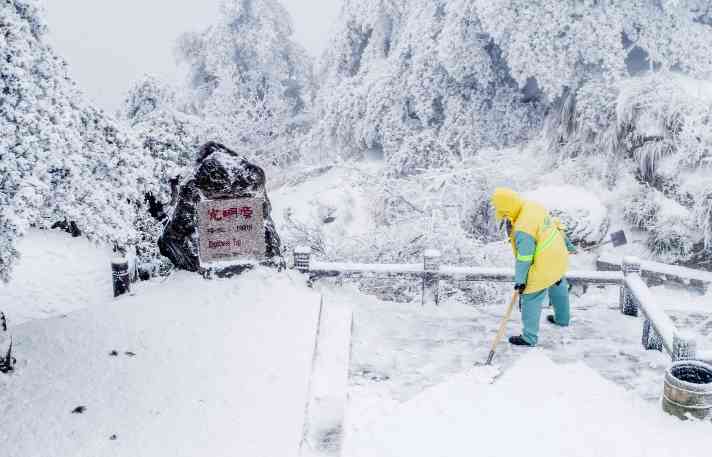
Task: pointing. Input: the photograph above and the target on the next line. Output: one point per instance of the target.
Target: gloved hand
(520, 288)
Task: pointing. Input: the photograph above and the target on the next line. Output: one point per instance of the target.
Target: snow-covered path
(216, 368)
(538, 408)
(401, 350)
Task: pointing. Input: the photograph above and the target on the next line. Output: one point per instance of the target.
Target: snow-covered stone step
(328, 390)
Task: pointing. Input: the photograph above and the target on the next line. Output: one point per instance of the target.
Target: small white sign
(231, 230)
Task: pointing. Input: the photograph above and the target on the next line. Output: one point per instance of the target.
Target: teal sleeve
(526, 245)
(569, 245)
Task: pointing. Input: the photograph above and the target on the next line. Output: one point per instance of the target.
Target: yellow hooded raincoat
(551, 258)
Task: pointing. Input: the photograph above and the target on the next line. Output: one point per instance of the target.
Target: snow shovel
(502, 327)
(618, 239)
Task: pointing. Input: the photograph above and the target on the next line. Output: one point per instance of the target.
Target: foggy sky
(111, 43)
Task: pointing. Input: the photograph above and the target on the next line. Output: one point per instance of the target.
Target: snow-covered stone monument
(222, 221)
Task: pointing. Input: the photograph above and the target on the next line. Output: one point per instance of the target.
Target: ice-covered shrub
(699, 186)
(642, 209)
(660, 122)
(672, 239)
(672, 235)
(478, 219)
(581, 212)
(149, 262)
(419, 153)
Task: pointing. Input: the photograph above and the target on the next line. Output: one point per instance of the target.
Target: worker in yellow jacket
(541, 250)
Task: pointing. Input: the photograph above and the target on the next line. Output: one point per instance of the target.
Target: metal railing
(659, 331)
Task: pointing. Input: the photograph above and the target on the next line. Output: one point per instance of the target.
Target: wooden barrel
(688, 390)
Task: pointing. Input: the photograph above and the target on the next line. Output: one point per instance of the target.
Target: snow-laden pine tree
(249, 80)
(61, 159)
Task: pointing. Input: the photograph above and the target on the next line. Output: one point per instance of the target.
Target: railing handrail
(664, 326)
(659, 331)
(454, 272)
(661, 269)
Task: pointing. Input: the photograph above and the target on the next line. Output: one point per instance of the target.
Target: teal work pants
(531, 309)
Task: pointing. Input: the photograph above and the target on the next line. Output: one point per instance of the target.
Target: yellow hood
(507, 203)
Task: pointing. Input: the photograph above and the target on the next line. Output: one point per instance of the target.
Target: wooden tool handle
(502, 326)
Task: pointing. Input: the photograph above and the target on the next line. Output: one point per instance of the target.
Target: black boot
(551, 319)
(518, 341)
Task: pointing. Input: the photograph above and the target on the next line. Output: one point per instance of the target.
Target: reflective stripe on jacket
(550, 259)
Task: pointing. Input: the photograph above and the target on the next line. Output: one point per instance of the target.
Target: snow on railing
(655, 272)
(659, 331)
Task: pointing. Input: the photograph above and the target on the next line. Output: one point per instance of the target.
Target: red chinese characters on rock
(218, 215)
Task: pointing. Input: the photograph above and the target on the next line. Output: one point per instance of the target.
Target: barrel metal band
(686, 406)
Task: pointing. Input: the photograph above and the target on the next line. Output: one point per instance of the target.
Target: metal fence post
(628, 305)
(302, 258)
(684, 347)
(651, 339)
(120, 276)
(7, 361)
(431, 277)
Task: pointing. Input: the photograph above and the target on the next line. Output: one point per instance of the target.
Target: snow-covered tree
(399, 71)
(171, 140)
(61, 159)
(249, 80)
(171, 137)
(484, 72)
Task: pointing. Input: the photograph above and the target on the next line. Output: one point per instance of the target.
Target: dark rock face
(7, 361)
(220, 174)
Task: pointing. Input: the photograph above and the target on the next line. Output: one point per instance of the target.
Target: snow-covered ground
(401, 349)
(186, 367)
(222, 368)
(537, 408)
(57, 274)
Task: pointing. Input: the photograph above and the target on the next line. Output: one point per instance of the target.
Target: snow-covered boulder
(220, 174)
(581, 212)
